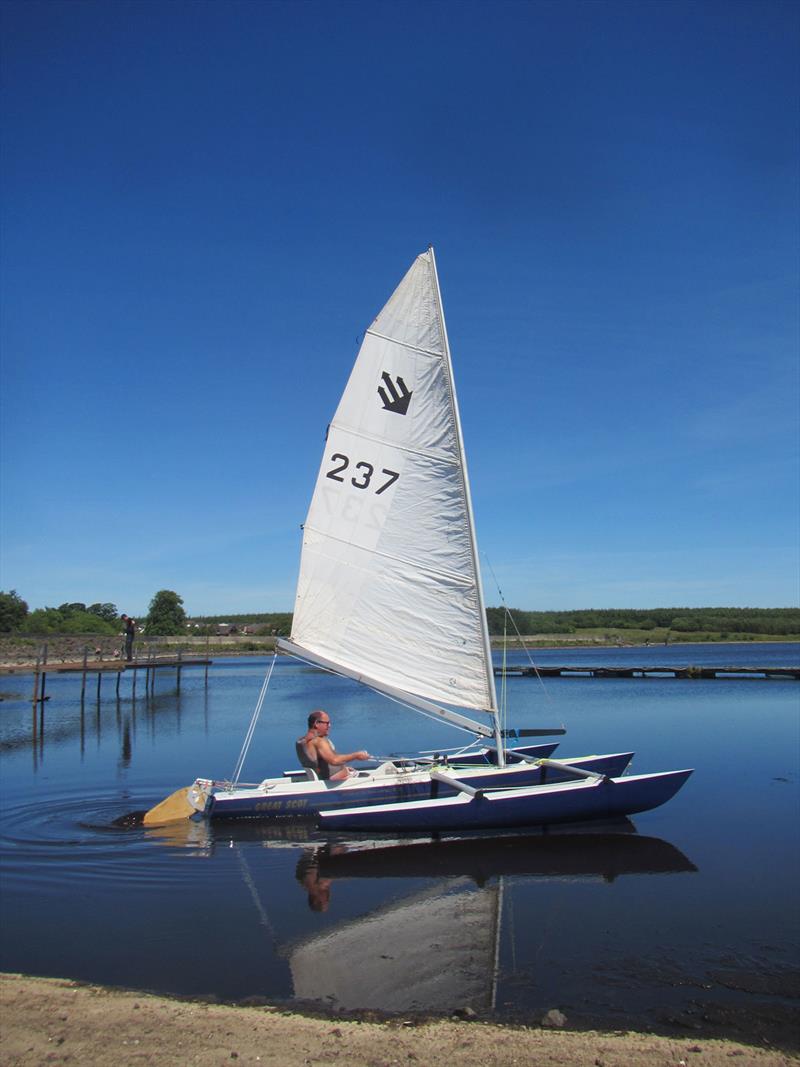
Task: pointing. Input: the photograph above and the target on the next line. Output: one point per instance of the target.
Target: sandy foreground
(51, 1020)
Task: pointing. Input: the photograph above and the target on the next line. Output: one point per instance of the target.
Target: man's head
(319, 720)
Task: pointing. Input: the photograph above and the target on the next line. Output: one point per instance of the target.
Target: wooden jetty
(150, 665)
(590, 671)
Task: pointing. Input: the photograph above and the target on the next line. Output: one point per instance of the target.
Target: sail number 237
(362, 479)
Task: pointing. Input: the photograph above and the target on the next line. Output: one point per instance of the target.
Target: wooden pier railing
(150, 665)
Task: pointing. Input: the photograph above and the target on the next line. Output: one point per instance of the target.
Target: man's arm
(325, 750)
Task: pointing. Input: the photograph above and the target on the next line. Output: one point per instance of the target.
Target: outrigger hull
(389, 784)
(566, 801)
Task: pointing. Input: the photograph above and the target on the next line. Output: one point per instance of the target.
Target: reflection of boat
(389, 594)
(440, 947)
(436, 948)
(604, 850)
(565, 855)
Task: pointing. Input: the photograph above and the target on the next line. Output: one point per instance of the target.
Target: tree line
(165, 617)
(779, 622)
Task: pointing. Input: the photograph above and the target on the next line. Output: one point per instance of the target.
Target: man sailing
(315, 750)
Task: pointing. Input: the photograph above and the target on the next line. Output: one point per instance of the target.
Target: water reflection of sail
(434, 950)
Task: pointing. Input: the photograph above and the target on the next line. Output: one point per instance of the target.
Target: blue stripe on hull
(270, 805)
(578, 802)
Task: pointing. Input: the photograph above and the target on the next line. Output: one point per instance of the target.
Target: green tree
(165, 617)
(13, 610)
(108, 612)
(71, 609)
(44, 621)
(86, 622)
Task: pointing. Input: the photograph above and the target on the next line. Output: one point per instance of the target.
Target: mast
(483, 623)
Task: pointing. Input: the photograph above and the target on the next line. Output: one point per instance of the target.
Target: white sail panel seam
(445, 458)
(405, 344)
(453, 576)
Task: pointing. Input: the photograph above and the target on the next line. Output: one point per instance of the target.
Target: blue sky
(205, 204)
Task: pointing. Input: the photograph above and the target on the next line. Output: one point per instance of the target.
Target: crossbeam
(568, 768)
(462, 787)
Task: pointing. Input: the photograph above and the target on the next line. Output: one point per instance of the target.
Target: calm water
(685, 916)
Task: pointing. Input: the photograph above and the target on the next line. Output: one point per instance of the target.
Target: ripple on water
(75, 839)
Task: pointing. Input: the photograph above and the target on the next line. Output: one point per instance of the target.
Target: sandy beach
(49, 1020)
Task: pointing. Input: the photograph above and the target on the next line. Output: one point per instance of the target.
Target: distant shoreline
(20, 654)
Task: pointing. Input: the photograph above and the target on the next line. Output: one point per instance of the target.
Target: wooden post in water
(135, 676)
(179, 670)
(83, 677)
(35, 697)
(44, 673)
(41, 694)
(208, 642)
(35, 705)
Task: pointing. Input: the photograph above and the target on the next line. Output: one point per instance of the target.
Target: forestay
(389, 588)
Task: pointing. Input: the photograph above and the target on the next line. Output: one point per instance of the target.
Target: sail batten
(389, 587)
(405, 344)
(442, 457)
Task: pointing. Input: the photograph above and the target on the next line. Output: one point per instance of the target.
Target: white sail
(343, 967)
(389, 587)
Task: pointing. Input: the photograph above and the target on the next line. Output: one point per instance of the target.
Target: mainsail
(389, 589)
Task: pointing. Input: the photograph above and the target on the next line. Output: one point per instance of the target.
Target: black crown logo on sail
(396, 396)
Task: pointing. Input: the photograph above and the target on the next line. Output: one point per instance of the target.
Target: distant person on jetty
(315, 749)
(130, 634)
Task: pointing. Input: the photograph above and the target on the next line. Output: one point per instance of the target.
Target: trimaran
(389, 594)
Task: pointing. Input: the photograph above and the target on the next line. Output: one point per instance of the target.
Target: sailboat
(389, 594)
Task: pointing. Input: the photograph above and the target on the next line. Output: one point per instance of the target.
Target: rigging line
(252, 727)
(426, 755)
(504, 679)
(247, 877)
(508, 615)
(498, 931)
